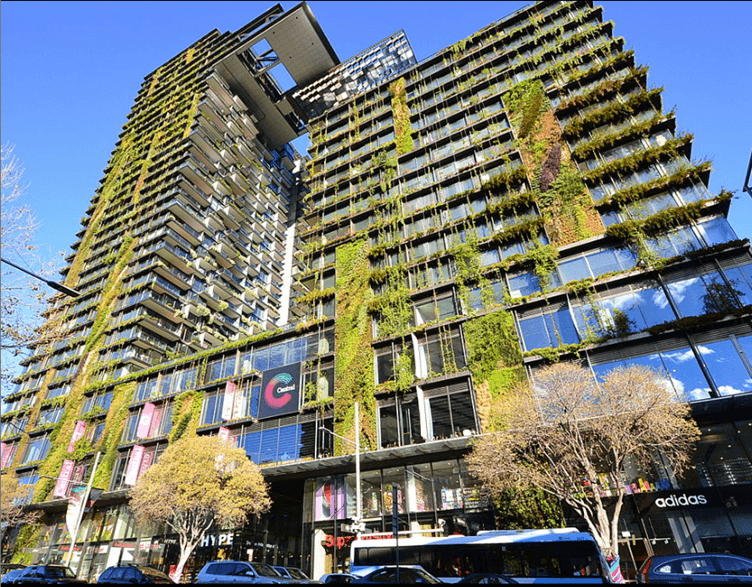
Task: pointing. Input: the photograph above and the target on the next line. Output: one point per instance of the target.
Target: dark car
(338, 578)
(47, 575)
(484, 578)
(10, 572)
(708, 567)
(407, 574)
(133, 574)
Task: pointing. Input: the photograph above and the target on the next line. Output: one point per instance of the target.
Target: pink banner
(78, 433)
(156, 422)
(61, 487)
(134, 465)
(144, 422)
(145, 463)
(224, 433)
(238, 410)
(7, 452)
(229, 400)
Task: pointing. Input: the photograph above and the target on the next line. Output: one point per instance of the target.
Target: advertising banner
(75, 505)
(146, 461)
(156, 422)
(144, 422)
(229, 400)
(7, 453)
(78, 433)
(280, 391)
(134, 465)
(61, 487)
(330, 499)
(224, 433)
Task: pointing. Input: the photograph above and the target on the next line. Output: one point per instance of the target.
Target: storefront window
(447, 485)
(420, 496)
(371, 494)
(723, 455)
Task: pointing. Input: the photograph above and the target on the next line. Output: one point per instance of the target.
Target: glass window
(574, 269)
(703, 294)
(548, 330)
(717, 231)
(685, 374)
(740, 279)
(725, 365)
(523, 284)
(447, 485)
(388, 426)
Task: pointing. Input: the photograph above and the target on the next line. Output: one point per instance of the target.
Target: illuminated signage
(280, 391)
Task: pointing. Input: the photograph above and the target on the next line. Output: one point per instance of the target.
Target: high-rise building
(518, 197)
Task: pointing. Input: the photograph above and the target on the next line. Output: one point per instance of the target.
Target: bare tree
(197, 482)
(13, 498)
(574, 439)
(23, 298)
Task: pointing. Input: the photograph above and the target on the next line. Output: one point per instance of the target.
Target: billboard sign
(280, 391)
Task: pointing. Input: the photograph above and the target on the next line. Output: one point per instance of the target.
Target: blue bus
(562, 555)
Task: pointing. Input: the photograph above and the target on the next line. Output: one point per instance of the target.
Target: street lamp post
(53, 284)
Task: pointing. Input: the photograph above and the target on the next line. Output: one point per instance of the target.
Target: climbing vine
(353, 370)
(401, 111)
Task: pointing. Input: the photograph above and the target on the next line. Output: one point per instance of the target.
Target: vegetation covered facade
(518, 198)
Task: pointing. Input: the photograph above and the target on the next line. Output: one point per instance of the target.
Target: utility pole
(358, 505)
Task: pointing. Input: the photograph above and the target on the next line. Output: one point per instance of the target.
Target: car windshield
(59, 572)
(153, 572)
(297, 574)
(264, 570)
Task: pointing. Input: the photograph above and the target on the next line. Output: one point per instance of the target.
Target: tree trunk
(185, 554)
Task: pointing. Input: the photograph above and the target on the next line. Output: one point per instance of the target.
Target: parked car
(239, 572)
(127, 573)
(292, 573)
(338, 578)
(9, 572)
(708, 567)
(47, 575)
(484, 578)
(407, 574)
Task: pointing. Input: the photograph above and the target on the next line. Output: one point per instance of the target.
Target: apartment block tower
(519, 197)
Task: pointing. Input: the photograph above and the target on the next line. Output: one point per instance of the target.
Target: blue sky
(70, 71)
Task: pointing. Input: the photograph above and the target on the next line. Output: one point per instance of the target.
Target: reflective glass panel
(726, 366)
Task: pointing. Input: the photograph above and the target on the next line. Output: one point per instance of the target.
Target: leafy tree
(23, 298)
(197, 482)
(13, 498)
(573, 438)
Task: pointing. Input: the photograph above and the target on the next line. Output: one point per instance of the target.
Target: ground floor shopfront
(709, 509)
(307, 527)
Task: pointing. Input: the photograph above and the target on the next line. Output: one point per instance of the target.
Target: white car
(227, 571)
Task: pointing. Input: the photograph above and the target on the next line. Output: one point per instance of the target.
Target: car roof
(664, 557)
